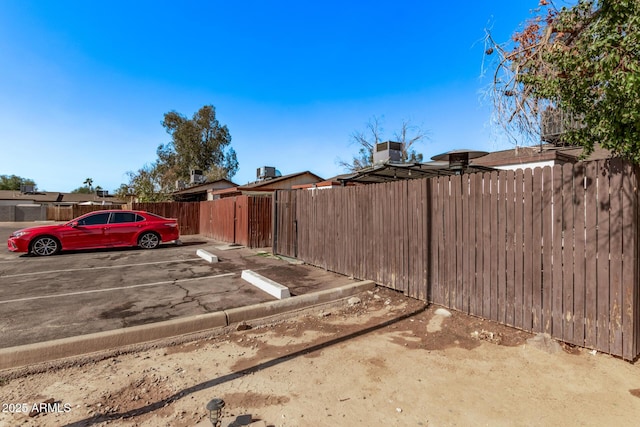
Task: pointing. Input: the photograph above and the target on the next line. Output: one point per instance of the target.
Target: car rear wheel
(45, 246)
(149, 240)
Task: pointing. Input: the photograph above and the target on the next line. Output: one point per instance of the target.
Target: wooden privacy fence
(550, 250)
(217, 219)
(187, 214)
(67, 213)
(245, 220)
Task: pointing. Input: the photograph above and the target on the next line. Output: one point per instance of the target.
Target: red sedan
(99, 229)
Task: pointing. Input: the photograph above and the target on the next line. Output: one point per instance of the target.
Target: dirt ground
(385, 360)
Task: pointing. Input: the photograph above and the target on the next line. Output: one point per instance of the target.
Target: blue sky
(84, 84)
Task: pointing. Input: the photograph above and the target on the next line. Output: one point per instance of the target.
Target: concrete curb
(14, 357)
(207, 256)
(266, 309)
(265, 284)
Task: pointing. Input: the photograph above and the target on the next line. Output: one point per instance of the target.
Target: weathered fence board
(579, 264)
(510, 248)
(550, 250)
(529, 268)
(187, 214)
(568, 206)
(558, 233)
(630, 261)
(59, 213)
(245, 220)
(547, 250)
(217, 219)
(518, 280)
(596, 297)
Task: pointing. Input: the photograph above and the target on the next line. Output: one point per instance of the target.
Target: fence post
(274, 223)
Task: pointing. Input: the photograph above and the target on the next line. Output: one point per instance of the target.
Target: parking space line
(98, 268)
(166, 282)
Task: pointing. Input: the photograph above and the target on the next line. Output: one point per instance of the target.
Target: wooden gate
(245, 220)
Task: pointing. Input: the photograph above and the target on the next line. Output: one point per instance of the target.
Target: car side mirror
(73, 224)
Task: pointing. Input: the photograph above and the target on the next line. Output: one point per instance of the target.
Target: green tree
(82, 190)
(373, 134)
(13, 182)
(125, 192)
(146, 184)
(583, 60)
(198, 143)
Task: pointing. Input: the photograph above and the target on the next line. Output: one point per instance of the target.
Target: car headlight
(20, 233)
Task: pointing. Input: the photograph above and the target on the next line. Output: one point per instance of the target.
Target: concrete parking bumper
(24, 355)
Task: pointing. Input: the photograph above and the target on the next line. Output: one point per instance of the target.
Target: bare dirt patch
(376, 362)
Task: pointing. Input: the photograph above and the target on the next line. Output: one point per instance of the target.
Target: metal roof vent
(459, 159)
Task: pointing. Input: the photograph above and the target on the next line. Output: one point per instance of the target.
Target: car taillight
(171, 224)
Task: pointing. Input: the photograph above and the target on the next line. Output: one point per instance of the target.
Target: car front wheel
(149, 240)
(45, 246)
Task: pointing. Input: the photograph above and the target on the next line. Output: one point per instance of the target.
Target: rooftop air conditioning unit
(266, 172)
(196, 177)
(387, 151)
(180, 185)
(102, 193)
(27, 188)
(554, 123)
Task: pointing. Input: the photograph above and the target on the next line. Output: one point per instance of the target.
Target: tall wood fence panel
(59, 213)
(259, 221)
(285, 233)
(550, 250)
(245, 220)
(217, 219)
(187, 213)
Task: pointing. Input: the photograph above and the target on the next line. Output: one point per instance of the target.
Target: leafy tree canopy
(200, 143)
(82, 190)
(583, 60)
(13, 182)
(146, 184)
(373, 134)
(87, 188)
(125, 191)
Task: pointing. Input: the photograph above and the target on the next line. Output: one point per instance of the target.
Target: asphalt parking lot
(76, 293)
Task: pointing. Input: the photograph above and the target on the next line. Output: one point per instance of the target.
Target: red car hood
(41, 229)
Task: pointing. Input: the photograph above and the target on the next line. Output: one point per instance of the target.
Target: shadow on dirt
(101, 418)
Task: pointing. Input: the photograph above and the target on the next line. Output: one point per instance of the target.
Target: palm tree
(88, 182)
